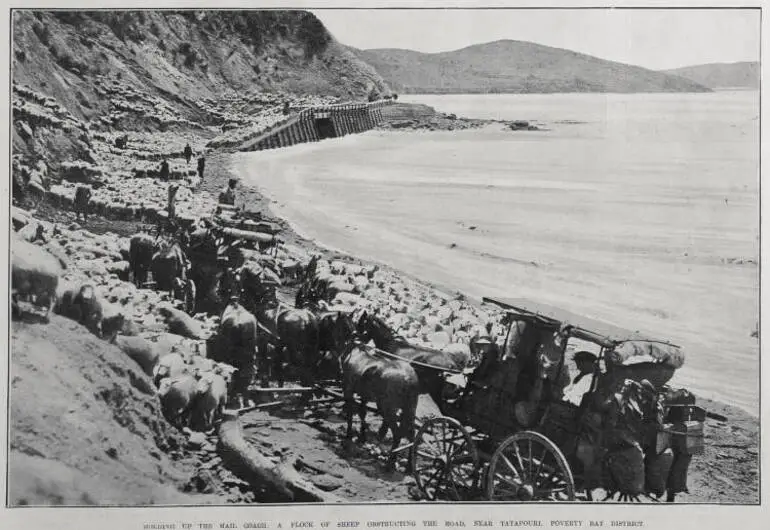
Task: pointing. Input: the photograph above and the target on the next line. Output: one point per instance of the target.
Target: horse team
(258, 334)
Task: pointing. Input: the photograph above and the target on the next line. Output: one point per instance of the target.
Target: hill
(80, 73)
(721, 75)
(509, 66)
(182, 57)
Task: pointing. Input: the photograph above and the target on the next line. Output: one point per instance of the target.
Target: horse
(235, 343)
(391, 383)
(141, 251)
(168, 263)
(295, 338)
(371, 327)
(335, 329)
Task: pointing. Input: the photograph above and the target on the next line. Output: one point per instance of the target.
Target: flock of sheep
(77, 275)
(422, 315)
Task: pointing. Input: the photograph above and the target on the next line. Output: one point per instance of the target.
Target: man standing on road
(187, 152)
(164, 170)
(201, 167)
(227, 196)
(172, 189)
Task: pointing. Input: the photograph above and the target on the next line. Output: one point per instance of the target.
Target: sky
(652, 38)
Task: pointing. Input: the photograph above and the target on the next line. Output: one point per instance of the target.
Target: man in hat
(201, 166)
(484, 348)
(171, 208)
(164, 171)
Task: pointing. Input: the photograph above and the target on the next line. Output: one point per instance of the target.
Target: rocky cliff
(80, 73)
(182, 56)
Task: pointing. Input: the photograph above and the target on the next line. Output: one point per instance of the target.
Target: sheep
(181, 323)
(171, 365)
(361, 284)
(34, 273)
(142, 351)
(201, 365)
(210, 398)
(338, 267)
(83, 306)
(338, 286)
(165, 342)
(354, 270)
(32, 232)
(177, 396)
(121, 269)
(112, 324)
(291, 269)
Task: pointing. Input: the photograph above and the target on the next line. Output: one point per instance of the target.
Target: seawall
(318, 123)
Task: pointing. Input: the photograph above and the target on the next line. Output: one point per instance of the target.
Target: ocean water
(641, 210)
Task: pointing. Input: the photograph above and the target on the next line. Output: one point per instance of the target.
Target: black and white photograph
(428, 256)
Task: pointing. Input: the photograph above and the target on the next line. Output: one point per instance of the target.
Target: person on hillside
(164, 172)
(187, 153)
(172, 190)
(227, 196)
(82, 198)
(201, 167)
(286, 108)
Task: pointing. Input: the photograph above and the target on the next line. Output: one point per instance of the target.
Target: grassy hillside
(721, 75)
(181, 56)
(509, 66)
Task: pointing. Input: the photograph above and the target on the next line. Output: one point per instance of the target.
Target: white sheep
(142, 351)
(177, 397)
(169, 366)
(211, 398)
(34, 274)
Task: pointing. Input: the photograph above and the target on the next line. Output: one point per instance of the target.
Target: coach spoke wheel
(445, 460)
(529, 467)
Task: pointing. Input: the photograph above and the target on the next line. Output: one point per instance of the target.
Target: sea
(641, 210)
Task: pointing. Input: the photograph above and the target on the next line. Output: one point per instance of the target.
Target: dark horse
(374, 328)
(392, 384)
(235, 343)
(335, 331)
(168, 263)
(294, 336)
